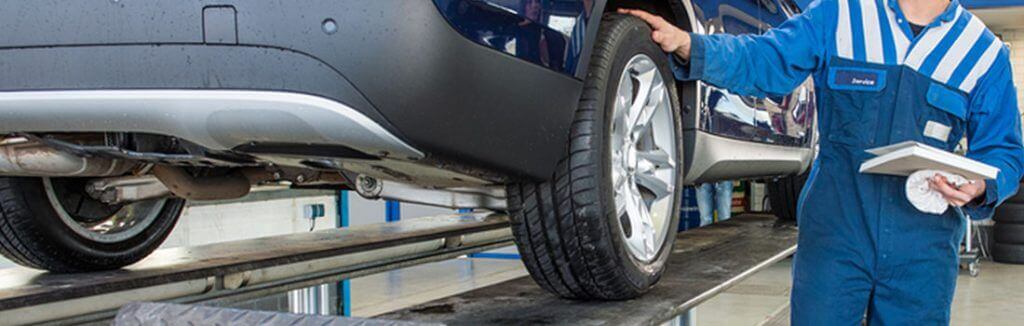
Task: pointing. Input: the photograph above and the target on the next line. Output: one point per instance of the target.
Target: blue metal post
(344, 288)
(392, 211)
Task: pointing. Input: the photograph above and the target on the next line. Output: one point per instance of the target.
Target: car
(562, 113)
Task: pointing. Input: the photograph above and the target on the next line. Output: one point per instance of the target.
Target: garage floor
(993, 298)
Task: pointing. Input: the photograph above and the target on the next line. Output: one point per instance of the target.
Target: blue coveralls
(862, 247)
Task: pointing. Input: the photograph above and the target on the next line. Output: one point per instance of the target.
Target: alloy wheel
(643, 151)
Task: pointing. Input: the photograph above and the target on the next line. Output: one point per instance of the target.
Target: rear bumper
(218, 120)
(396, 62)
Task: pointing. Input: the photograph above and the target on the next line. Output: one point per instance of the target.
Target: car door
(789, 118)
(775, 120)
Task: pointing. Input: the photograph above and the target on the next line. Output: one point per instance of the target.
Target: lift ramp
(704, 262)
(240, 270)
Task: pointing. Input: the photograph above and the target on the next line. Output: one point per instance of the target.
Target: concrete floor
(380, 293)
(993, 298)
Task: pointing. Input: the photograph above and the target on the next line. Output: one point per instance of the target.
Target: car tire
(784, 195)
(1008, 233)
(1008, 253)
(36, 230)
(567, 230)
(1009, 213)
(1017, 198)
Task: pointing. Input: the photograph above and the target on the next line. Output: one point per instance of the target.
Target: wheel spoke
(623, 101)
(645, 79)
(635, 213)
(654, 184)
(642, 121)
(658, 158)
(620, 184)
(647, 229)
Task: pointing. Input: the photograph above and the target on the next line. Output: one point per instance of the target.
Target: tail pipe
(25, 158)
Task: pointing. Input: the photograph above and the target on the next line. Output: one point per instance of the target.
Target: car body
(393, 98)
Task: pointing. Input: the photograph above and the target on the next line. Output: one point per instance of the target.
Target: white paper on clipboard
(908, 157)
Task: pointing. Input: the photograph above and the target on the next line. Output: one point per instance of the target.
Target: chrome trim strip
(216, 119)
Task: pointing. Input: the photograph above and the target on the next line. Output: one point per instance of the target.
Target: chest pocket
(854, 104)
(941, 123)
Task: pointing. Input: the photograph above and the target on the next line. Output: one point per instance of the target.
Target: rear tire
(1017, 198)
(1010, 213)
(575, 238)
(1008, 233)
(784, 195)
(1008, 253)
(35, 233)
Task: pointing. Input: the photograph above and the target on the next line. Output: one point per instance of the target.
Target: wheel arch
(679, 12)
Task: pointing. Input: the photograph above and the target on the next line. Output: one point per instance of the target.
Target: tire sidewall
(1009, 213)
(1008, 233)
(636, 40)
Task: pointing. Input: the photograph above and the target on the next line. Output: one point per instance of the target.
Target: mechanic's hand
(957, 196)
(668, 36)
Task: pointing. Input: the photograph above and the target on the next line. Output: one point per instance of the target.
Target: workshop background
(276, 211)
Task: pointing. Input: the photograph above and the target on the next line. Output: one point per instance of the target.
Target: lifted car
(113, 114)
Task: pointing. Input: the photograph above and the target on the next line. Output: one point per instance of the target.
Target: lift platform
(240, 270)
(705, 262)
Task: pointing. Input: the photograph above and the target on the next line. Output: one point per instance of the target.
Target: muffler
(25, 158)
(184, 185)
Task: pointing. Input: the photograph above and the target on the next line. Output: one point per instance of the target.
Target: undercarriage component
(191, 154)
(462, 197)
(185, 185)
(120, 190)
(20, 156)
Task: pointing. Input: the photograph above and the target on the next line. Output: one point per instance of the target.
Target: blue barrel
(689, 215)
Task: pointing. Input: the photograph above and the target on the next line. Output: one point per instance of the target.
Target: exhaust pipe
(21, 157)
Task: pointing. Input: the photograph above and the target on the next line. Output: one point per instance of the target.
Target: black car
(566, 115)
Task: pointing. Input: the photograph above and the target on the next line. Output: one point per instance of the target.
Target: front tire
(51, 224)
(604, 227)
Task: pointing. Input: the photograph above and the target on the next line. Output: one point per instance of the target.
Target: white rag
(923, 197)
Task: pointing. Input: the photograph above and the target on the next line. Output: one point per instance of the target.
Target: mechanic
(886, 71)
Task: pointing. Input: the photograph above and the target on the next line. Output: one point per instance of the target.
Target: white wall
(204, 224)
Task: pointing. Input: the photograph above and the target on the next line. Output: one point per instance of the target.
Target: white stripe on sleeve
(982, 66)
(954, 57)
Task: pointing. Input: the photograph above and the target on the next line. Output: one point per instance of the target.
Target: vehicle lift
(183, 283)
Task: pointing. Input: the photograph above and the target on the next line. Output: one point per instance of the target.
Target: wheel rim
(121, 224)
(644, 150)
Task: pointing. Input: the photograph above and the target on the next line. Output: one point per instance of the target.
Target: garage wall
(260, 215)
